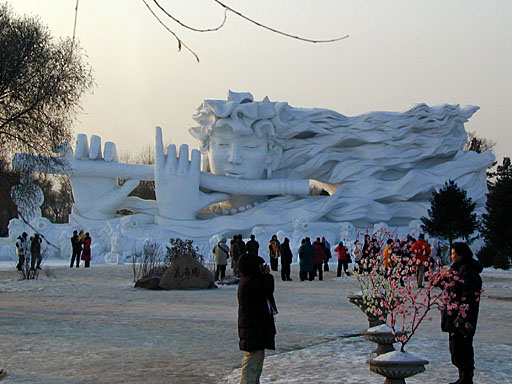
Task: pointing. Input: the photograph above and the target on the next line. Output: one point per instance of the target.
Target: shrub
(149, 261)
(181, 248)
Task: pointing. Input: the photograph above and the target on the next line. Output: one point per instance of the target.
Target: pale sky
(399, 53)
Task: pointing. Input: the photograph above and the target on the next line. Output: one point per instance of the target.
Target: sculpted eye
(220, 144)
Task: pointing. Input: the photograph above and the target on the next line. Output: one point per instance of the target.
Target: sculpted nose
(234, 155)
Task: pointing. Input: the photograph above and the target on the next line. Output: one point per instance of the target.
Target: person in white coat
(221, 251)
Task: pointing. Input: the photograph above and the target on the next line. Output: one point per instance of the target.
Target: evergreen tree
(497, 222)
(451, 214)
(503, 171)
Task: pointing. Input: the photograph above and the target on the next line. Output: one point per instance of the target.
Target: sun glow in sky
(399, 53)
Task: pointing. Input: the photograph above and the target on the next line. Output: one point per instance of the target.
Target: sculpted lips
(233, 174)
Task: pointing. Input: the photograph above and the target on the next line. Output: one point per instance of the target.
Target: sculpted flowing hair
(327, 146)
(378, 167)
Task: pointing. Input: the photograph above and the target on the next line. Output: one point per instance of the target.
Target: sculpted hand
(177, 182)
(98, 197)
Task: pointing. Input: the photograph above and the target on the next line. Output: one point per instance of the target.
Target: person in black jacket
(252, 246)
(460, 316)
(241, 244)
(76, 246)
(306, 259)
(256, 310)
(286, 259)
(35, 252)
(238, 248)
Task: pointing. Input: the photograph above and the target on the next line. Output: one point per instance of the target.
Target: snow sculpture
(28, 197)
(252, 171)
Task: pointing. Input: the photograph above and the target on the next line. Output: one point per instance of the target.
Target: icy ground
(78, 326)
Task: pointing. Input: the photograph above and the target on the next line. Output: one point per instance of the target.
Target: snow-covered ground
(77, 326)
(344, 361)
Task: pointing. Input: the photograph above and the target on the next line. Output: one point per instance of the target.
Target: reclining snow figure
(256, 160)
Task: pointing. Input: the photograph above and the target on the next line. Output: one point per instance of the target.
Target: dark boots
(464, 378)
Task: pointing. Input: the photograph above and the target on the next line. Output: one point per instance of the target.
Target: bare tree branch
(189, 27)
(276, 30)
(226, 9)
(74, 30)
(180, 42)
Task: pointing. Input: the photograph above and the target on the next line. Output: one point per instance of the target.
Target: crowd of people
(314, 257)
(415, 255)
(29, 250)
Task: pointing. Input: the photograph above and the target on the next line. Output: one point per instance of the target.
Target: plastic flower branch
(390, 293)
(371, 276)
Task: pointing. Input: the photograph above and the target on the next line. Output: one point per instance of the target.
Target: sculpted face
(243, 156)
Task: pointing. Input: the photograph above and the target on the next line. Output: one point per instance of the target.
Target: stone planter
(357, 300)
(397, 366)
(383, 336)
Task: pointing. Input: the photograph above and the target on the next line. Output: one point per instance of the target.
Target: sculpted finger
(183, 160)
(81, 147)
(195, 162)
(172, 161)
(110, 152)
(159, 149)
(128, 186)
(95, 149)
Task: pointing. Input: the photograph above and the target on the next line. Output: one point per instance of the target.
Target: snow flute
(115, 170)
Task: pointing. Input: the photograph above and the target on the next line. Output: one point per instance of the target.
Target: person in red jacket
(420, 251)
(319, 259)
(86, 253)
(343, 258)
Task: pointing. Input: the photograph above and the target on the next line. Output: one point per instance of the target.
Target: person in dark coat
(319, 259)
(286, 259)
(241, 244)
(252, 246)
(365, 260)
(328, 255)
(231, 253)
(238, 248)
(273, 251)
(375, 247)
(76, 246)
(464, 288)
(35, 252)
(256, 310)
(306, 257)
